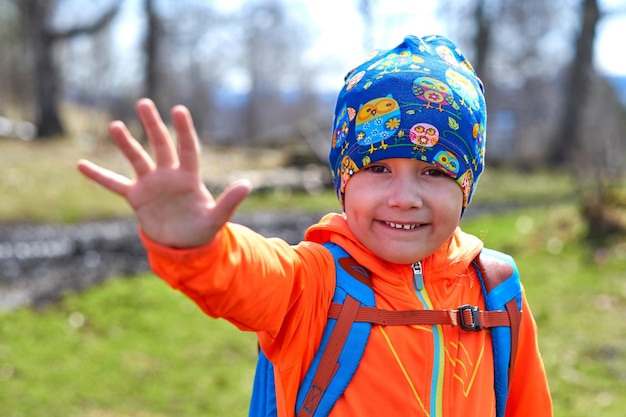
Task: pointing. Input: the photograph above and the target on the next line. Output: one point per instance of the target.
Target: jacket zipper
(418, 276)
(422, 295)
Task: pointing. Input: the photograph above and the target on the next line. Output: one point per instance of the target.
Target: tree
(598, 166)
(273, 44)
(590, 142)
(184, 55)
(13, 83)
(482, 37)
(41, 38)
(573, 122)
(517, 51)
(151, 41)
(576, 87)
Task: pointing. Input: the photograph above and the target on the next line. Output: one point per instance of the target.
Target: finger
(231, 198)
(157, 132)
(132, 150)
(108, 179)
(189, 148)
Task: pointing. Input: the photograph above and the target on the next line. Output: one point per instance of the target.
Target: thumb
(232, 197)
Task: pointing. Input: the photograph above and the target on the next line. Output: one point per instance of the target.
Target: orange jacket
(283, 293)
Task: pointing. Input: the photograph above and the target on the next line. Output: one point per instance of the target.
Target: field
(133, 347)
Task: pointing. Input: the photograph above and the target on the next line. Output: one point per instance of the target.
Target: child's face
(402, 209)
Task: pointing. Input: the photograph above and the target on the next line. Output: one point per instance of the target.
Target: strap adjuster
(473, 325)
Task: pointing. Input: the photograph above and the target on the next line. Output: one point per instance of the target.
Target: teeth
(402, 226)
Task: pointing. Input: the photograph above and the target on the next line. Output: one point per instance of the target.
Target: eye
(434, 172)
(378, 169)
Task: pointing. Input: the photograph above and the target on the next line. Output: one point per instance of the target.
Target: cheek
(358, 206)
(452, 204)
(354, 194)
(445, 199)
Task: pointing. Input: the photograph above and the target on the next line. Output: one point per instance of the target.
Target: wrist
(154, 246)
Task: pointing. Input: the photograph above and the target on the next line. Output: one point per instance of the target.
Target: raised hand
(170, 200)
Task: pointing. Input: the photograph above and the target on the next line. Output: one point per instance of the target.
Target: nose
(405, 192)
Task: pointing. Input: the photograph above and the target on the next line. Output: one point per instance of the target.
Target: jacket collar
(453, 258)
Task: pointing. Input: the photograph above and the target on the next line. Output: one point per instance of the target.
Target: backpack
(352, 314)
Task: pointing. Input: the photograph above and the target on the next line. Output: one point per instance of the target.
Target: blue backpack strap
(319, 399)
(502, 291)
(263, 401)
(352, 284)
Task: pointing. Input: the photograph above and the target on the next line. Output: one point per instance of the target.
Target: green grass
(127, 348)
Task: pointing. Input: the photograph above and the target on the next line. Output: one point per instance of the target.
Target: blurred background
(265, 73)
(260, 78)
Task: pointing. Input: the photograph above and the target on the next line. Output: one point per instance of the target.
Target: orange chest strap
(468, 317)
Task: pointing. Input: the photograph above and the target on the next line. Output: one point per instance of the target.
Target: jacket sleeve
(256, 283)
(529, 394)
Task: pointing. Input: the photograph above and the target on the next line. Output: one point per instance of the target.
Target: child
(407, 150)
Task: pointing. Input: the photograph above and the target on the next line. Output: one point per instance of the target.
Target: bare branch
(86, 29)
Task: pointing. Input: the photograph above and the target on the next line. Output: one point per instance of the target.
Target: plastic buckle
(475, 325)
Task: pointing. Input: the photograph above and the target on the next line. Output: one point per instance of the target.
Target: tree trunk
(48, 121)
(45, 78)
(576, 88)
(151, 50)
(481, 39)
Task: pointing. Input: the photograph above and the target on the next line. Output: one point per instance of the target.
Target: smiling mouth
(402, 226)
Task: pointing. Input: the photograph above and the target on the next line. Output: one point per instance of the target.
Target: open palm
(169, 198)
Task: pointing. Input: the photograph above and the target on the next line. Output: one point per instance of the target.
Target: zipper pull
(418, 276)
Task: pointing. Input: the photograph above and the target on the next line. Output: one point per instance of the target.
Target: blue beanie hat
(419, 100)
